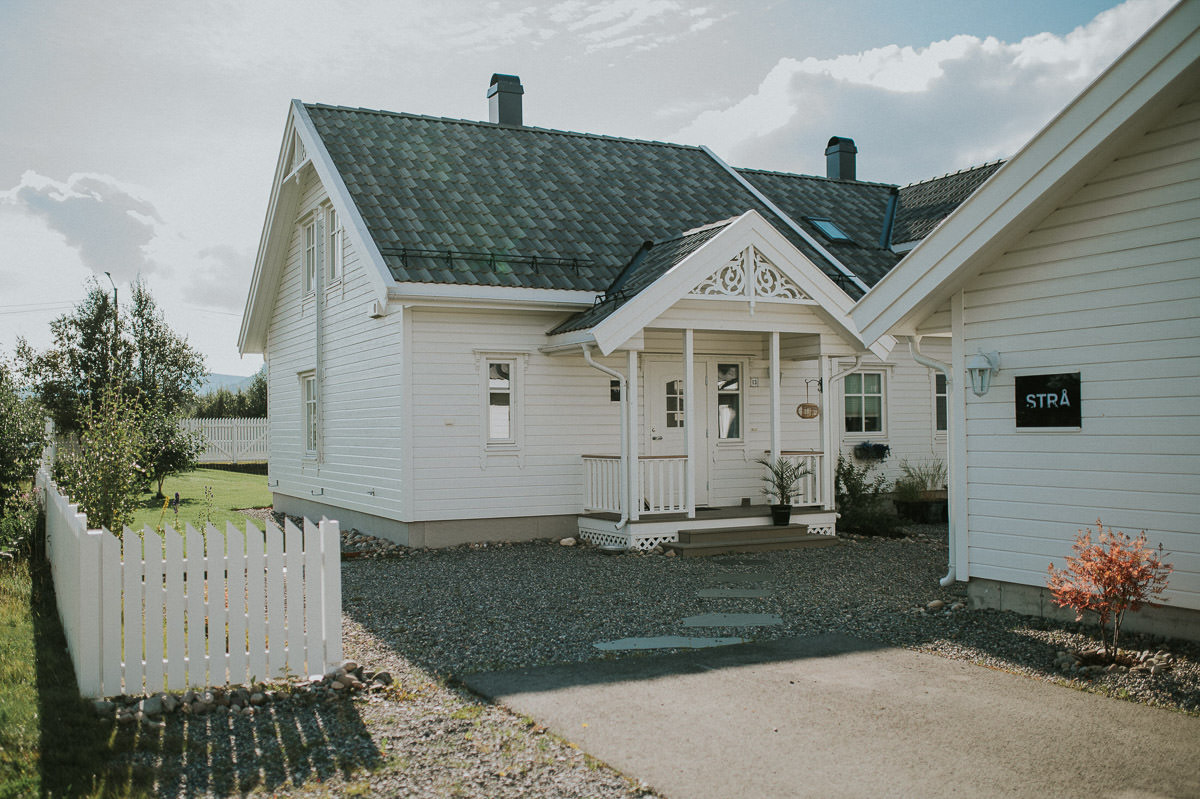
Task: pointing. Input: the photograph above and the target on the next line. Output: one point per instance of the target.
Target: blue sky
(141, 137)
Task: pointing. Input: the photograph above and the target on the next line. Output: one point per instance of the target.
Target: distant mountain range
(214, 382)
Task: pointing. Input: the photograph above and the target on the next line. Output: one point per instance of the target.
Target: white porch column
(633, 471)
(689, 420)
(776, 396)
(829, 439)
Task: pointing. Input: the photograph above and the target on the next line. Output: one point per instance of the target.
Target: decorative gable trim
(765, 266)
(750, 275)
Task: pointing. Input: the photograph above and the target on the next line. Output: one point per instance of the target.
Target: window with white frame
(333, 246)
(729, 400)
(308, 385)
(863, 400)
(939, 402)
(501, 404)
(310, 256)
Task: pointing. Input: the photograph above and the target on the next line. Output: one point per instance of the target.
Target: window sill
(503, 447)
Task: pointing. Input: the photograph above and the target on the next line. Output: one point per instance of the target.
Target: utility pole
(116, 318)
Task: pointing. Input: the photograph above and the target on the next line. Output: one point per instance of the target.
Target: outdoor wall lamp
(982, 366)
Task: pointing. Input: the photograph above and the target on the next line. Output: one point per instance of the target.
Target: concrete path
(833, 716)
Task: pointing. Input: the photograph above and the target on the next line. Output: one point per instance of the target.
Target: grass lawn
(50, 742)
(230, 490)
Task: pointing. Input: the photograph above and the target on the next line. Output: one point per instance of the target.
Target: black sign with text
(1048, 400)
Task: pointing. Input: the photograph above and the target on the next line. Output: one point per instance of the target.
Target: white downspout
(624, 469)
(838, 376)
(930, 363)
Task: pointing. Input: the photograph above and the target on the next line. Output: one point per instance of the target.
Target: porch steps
(725, 540)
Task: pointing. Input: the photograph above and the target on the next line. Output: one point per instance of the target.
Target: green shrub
(19, 524)
(22, 436)
(104, 475)
(860, 502)
(928, 475)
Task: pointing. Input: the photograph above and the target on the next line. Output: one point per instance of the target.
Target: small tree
(169, 448)
(858, 491)
(105, 474)
(1108, 578)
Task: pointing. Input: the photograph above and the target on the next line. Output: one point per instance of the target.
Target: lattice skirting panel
(822, 529)
(647, 541)
(605, 539)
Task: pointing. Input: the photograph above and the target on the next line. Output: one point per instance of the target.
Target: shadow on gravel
(284, 745)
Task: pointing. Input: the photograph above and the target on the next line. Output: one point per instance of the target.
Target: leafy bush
(782, 478)
(908, 489)
(860, 502)
(19, 523)
(169, 448)
(1108, 578)
(22, 436)
(105, 473)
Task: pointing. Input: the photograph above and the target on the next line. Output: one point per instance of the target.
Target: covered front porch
(721, 347)
(753, 395)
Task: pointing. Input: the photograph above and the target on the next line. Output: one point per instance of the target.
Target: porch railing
(660, 482)
(809, 490)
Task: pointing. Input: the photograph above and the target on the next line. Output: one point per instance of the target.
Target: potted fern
(782, 482)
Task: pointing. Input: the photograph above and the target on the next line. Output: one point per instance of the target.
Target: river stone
(567, 542)
(151, 705)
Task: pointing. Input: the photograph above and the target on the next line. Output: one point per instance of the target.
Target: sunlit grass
(230, 491)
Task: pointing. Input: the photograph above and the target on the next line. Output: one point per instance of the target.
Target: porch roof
(650, 263)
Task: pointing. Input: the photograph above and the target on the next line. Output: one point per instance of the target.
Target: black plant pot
(781, 515)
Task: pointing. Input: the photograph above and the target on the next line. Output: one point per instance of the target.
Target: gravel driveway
(427, 616)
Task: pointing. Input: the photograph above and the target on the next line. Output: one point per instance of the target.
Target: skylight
(829, 229)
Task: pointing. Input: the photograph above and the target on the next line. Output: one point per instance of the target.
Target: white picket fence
(144, 613)
(232, 440)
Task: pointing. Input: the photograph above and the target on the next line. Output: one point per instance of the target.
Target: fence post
(87, 641)
(331, 566)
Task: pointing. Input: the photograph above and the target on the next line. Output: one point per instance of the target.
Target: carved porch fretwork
(750, 275)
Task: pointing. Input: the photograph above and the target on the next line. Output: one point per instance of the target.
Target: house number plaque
(1048, 400)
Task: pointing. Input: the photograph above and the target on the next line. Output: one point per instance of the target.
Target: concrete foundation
(441, 533)
(1033, 600)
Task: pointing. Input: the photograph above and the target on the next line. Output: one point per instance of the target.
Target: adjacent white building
(1076, 268)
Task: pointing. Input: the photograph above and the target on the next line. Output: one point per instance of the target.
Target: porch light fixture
(981, 367)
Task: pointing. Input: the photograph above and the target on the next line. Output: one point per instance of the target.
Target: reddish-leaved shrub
(1108, 578)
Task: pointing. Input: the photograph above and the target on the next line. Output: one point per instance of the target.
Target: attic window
(828, 229)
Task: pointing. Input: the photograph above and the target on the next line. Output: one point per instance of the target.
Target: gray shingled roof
(452, 201)
(642, 270)
(924, 205)
(860, 209)
(460, 202)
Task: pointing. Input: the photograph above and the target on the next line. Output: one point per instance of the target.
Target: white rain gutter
(834, 378)
(787, 220)
(624, 468)
(913, 350)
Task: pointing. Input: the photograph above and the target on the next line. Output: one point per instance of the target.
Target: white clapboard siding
(1108, 285)
(231, 440)
(359, 465)
(148, 612)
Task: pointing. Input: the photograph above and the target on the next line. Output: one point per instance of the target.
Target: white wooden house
(1076, 267)
(471, 336)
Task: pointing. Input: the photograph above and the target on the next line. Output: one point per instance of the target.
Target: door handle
(656, 438)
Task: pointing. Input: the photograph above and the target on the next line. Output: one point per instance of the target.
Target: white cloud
(221, 278)
(952, 104)
(107, 223)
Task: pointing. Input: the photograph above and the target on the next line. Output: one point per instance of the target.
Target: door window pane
(499, 401)
(675, 403)
(729, 400)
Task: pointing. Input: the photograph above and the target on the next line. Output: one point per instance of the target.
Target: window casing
(863, 402)
(939, 403)
(310, 256)
(312, 408)
(334, 254)
(501, 402)
(729, 401)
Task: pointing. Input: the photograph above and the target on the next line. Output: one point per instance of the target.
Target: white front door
(665, 421)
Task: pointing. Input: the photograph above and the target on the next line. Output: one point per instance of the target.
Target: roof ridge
(962, 171)
(491, 125)
(702, 228)
(821, 178)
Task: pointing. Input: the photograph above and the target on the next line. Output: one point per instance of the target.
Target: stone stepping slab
(734, 593)
(665, 642)
(733, 620)
(741, 578)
